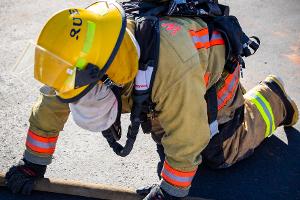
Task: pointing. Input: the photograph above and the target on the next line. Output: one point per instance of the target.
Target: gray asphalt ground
(273, 172)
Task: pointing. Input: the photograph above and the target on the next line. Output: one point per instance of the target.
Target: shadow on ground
(6, 195)
(272, 172)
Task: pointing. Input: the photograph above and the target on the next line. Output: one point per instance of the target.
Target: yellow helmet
(79, 47)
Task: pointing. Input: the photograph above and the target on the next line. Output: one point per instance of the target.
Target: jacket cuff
(39, 148)
(39, 160)
(173, 190)
(176, 183)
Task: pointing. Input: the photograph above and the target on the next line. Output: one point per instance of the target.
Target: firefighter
(77, 46)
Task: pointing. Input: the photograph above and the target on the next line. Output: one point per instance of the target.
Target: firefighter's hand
(154, 192)
(21, 178)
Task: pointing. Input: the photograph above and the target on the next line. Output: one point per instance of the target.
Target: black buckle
(108, 82)
(87, 76)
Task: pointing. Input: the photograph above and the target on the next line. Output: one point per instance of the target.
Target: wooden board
(76, 188)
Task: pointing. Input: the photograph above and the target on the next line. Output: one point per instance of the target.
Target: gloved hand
(21, 178)
(111, 135)
(154, 192)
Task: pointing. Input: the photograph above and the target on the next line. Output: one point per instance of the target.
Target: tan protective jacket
(189, 63)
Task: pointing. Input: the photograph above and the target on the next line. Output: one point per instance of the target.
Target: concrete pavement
(273, 172)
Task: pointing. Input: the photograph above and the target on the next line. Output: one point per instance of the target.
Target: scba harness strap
(146, 16)
(147, 35)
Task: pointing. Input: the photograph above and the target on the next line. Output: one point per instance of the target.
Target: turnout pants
(255, 120)
(255, 117)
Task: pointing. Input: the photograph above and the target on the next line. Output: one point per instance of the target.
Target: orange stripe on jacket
(175, 183)
(179, 173)
(217, 42)
(49, 151)
(177, 178)
(40, 144)
(201, 38)
(40, 138)
(199, 33)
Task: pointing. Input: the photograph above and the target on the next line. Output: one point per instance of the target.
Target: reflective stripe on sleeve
(265, 110)
(175, 177)
(201, 38)
(40, 144)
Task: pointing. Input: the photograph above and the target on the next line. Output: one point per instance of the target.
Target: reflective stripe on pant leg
(265, 110)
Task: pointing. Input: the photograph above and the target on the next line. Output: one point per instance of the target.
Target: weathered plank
(91, 190)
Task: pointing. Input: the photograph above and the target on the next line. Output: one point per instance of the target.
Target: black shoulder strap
(212, 109)
(148, 38)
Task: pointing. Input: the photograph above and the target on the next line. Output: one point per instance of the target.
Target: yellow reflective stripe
(265, 117)
(269, 109)
(91, 29)
(81, 63)
(265, 110)
(88, 43)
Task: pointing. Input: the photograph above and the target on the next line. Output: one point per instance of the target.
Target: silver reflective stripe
(177, 178)
(214, 128)
(266, 111)
(202, 39)
(216, 36)
(43, 145)
(205, 38)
